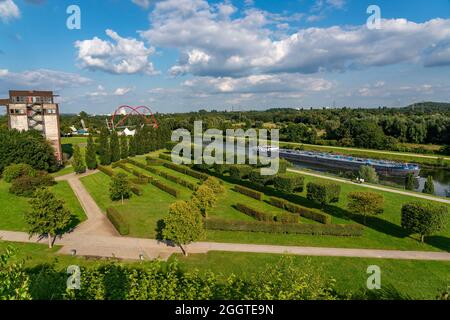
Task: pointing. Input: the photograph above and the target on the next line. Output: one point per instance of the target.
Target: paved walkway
(406, 193)
(97, 237)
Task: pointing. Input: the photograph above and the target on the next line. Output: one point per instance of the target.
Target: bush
(204, 199)
(287, 218)
(311, 214)
(249, 192)
(368, 173)
(172, 191)
(186, 170)
(323, 193)
(346, 230)
(289, 183)
(424, 218)
(240, 171)
(258, 215)
(25, 186)
(283, 166)
(118, 222)
(106, 170)
(166, 157)
(258, 179)
(15, 171)
(221, 168)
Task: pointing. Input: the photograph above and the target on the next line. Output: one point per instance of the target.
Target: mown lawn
(381, 232)
(13, 208)
(417, 279)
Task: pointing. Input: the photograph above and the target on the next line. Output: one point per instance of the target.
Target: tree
(183, 225)
(14, 171)
(124, 147)
(120, 188)
(424, 218)
(77, 161)
(131, 147)
(368, 173)
(91, 155)
(204, 199)
(103, 147)
(115, 147)
(48, 215)
(215, 185)
(365, 203)
(429, 186)
(409, 182)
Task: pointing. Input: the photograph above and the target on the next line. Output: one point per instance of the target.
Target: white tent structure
(127, 132)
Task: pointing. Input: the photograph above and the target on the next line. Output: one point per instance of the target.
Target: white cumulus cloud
(119, 56)
(8, 10)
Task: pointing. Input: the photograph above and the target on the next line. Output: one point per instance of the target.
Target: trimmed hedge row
(258, 215)
(284, 217)
(240, 171)
(249, 192)
(308, 213)
(136, 190)
(323, 192)
(172, 191)
(142, 177)
(164, 156)
(106, 170)
(185, 183)
(186, 170)
(289, 183)
(346, 230)
(257, 178)
(118, 222)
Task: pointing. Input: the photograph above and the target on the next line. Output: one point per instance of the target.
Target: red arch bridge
(145, 112)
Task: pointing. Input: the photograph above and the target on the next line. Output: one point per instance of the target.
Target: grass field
(13, 208)
(417, 279)
(381, 232)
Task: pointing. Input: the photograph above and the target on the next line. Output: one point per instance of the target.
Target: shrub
(258, 215)
(118, 222)
(287, 218)
(166, 157)
(311, 214)
(424, 218)
(215, 185)
(221, 168)
(368, 173)
(15, 171)
(249, 192)
(106, 170)
(323, 193)
(289, 183)
(136, 190)
(25, 186)
(429, 186)
(172, 191)
(187, 171)
(240, 171)
(283, 166)
(365, 203)
(346, 230)
(258, 179)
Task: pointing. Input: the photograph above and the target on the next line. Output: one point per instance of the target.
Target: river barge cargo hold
(383, 167)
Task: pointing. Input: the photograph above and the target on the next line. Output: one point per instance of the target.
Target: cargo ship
(383, 167)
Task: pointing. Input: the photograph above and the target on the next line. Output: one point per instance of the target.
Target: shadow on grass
(68, 149)
(439, 242)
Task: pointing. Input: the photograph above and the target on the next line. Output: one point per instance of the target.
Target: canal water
(441, 177)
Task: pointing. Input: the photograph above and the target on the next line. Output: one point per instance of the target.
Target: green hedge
(257, 178)
(323, 192)
(240, 171)
(186, 170)
(249, 192)
(118, 222)
(289, 183)
(106, 170)
(166, 157)
(254, 213)
(221, 168)
(346, 230)
(136, 190)
(308, 213)
(142, 177)
(172, 191)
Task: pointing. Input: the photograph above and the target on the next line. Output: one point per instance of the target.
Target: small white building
(127, 132)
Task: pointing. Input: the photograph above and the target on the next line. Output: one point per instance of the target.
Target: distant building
(35, 110)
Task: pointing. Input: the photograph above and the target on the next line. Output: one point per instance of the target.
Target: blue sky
(182, 55)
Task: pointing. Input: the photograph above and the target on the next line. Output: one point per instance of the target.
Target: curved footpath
(406, 193)
(97, 237)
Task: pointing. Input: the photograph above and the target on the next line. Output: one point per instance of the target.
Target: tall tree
(115, 146)
(124, 152)
(91, 155)
(183, 225)
(103, 148)
(410, 182)
(131, 147)
(48, 216)
(120, 188)
(429, 186)
(77, 161)
(204, 199)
